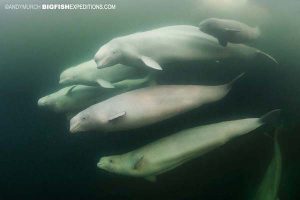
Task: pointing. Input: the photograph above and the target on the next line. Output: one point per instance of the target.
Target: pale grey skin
(269, 186)
(226, 30)
(146, 106)
(78, 97)
(87, 74)
(71, 98)
(171, 44)
(172, 151)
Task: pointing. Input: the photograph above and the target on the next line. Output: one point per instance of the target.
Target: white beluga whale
(77, 97)
(226, 30)
(71, 98)
(269, 185)
(172, 151)
(158, 47)
(87, 74)
(141, 107)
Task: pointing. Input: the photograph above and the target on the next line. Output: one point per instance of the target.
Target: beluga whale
(71, 99)
(141, 107)
(270, 183)
(159, 47)
(226, 30)
(74, 98)
(172, 151)
(87, 73)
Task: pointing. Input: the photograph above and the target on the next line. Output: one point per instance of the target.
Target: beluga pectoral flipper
(265, 55)
(150, 62)
(105, 84)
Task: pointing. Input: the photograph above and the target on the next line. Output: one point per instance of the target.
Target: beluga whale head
(72, 75)
(58, 101)
(67, 77)
(81, 74)
(126, 164)
(111, 164)
(108, 55)
(51, 102)
(83, 121)
(209, 26)
(42, 102)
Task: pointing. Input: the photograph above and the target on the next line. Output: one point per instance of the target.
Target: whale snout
(42, 102)
(64, 79)
(101, 63)
(98, 58)
(74, 125)
(100, 165)
(105, 58)
(203, 27)
(200, 25)
(61, 81)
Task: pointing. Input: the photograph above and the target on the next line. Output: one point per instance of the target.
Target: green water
(41, 160)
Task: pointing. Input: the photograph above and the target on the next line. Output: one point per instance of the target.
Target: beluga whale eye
(115, 51)
(84, 118)
(111, 161)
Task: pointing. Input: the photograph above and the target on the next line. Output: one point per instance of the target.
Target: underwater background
(40, 159)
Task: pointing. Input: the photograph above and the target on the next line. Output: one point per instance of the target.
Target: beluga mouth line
(74, 128)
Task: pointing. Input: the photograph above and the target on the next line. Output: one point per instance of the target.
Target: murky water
(40, 159)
